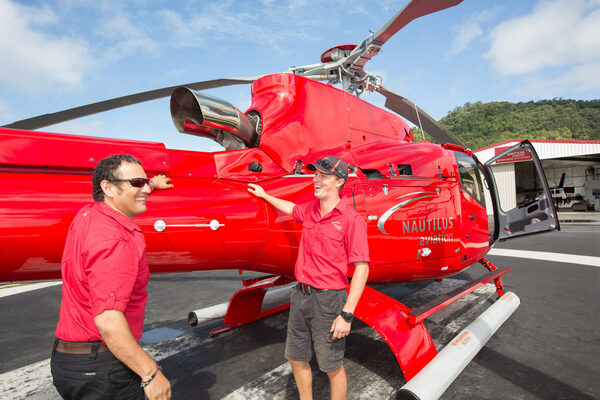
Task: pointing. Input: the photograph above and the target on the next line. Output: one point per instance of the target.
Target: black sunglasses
(135, 182)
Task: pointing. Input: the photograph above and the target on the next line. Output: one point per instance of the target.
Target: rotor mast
(346, 63)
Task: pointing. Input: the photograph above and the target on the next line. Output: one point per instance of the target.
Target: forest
(480, 124)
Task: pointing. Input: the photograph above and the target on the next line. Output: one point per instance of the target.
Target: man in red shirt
(334, 236)
(105, 273)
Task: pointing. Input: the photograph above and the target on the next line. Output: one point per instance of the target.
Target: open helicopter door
(523, 202)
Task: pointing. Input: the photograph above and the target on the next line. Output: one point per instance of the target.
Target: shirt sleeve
(356, 241)
(298, 213)
(112, 269)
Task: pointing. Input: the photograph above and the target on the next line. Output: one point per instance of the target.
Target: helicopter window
(404, 169)
(528, 184)
(372, 173)
(470, 177)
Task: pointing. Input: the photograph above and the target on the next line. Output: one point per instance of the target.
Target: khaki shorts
(311, 317)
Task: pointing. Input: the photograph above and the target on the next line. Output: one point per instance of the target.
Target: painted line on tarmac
(546, 256)
(10, 290)
(24, 382)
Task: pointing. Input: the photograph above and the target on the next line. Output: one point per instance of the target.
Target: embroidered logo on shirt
(337, 225)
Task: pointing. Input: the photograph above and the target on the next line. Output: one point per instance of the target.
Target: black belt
(307, 289)
(79, 347)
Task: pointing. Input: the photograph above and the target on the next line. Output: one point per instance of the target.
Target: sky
(65, 53)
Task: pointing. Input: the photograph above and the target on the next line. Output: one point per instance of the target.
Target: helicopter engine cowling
(196, 113)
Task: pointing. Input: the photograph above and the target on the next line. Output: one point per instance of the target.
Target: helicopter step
(246, 304)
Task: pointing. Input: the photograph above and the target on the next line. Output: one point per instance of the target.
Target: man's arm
(340, 327)
(280, 204)
(115, 331)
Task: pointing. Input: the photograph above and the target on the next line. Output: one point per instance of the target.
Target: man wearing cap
(334, 237)
(96, 354)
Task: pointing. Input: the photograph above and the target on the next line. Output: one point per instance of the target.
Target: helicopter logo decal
(384, 217)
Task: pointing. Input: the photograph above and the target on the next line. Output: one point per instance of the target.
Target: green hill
(481, 124)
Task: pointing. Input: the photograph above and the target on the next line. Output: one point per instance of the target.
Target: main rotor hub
(337, 53)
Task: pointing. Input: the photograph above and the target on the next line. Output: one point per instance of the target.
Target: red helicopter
(424, 203)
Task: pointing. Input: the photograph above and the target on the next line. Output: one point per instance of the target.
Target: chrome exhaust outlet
(198, 114)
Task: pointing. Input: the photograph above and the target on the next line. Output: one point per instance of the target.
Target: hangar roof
(546, 149)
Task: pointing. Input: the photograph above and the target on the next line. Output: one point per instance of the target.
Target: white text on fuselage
(434, 227)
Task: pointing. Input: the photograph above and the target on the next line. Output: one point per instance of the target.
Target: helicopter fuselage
(410, 194)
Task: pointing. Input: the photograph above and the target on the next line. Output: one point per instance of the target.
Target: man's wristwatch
(348, 316)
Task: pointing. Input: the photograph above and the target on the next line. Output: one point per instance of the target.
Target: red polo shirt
(103, 267)
(329, 244)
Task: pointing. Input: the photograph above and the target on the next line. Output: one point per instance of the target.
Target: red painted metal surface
(45, 179)
(410, 343)
(245, 305)
(326, 56)
(40, 152)
(498, 282)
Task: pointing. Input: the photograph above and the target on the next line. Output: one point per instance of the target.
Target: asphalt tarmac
(548, 349)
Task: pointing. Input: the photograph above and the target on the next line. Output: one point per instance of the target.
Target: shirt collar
(339, 207)
(121, 218)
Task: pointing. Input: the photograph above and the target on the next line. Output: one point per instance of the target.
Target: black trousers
(94, 376)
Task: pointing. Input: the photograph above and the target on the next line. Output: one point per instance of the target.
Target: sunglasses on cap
(135, 182)
(325, 163)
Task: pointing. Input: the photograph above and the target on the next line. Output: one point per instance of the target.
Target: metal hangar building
(572, 168)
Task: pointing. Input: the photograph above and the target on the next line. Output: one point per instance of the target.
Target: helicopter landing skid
(403, 330)
(419, 314)
(401, 327)
(246, 305)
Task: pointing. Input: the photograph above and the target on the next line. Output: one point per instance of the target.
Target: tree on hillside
(480, 124)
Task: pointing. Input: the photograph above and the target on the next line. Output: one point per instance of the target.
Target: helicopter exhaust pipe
(433, 380)
(196, 113)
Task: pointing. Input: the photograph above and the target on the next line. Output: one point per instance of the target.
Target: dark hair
(106, 170)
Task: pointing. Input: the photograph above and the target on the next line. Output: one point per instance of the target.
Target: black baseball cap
(330, 165)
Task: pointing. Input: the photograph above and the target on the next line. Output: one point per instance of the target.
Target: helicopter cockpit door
(523, 199)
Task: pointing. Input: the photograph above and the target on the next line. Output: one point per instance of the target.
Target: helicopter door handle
(472, 217)
(161, 225)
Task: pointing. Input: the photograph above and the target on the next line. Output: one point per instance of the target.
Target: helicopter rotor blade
(407, 109)
(41, 121)
(354, 63)
(413, 10)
